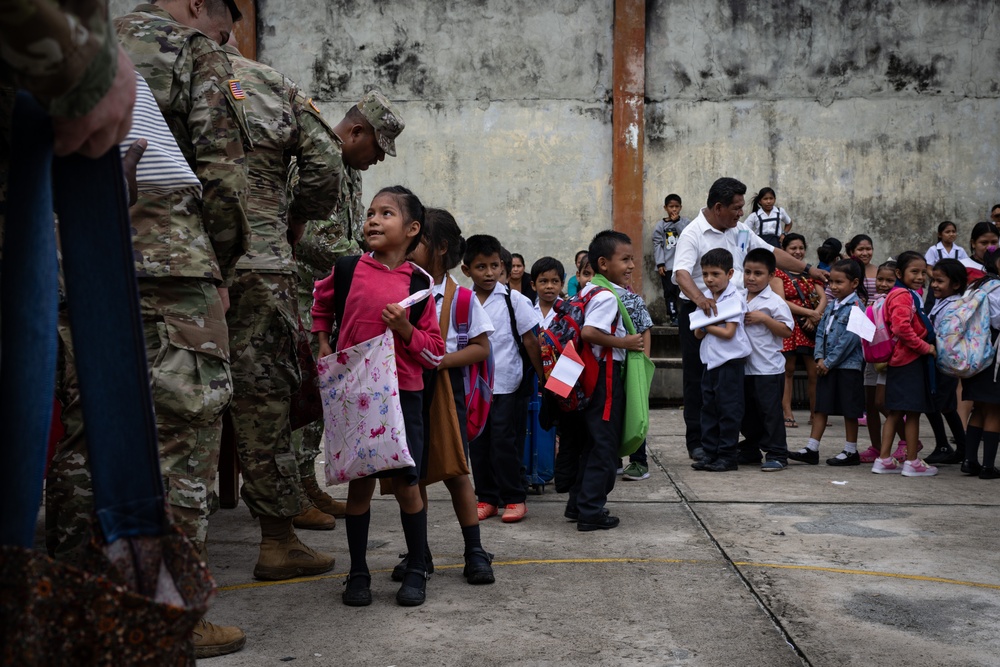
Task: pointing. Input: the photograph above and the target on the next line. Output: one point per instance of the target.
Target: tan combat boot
(211, 640)
(313, 519)
(321, 499)
(282, 556)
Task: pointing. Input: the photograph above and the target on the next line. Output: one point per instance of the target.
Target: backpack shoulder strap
(513, 326)
(418, 281)
(463, 308)
(444, 320)
(343, 274)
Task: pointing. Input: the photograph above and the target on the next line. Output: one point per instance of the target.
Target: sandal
(790, 422)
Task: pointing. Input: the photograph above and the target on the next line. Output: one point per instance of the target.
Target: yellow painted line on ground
(669, 561)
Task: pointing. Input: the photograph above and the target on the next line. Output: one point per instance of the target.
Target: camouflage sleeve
(65, 56)
(320, 164)
(216, 127)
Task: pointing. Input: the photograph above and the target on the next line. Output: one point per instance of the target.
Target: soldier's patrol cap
(233, 9)
(384, 117)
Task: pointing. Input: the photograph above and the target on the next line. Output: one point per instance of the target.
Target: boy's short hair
(547, 264)
(604, 245)
(762, 256)
(718, 258)
(481, 244)
(507, 259)
(672, 197)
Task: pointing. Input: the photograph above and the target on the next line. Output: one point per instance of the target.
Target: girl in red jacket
(381, 280)
(911, 368)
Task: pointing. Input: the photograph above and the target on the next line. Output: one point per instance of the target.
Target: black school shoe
(989, 473)
(478, 567)
(574, 515)
(808, 456)
(721, 466)
(413, 596)
(401, 567)
(357, 590)
(701, 464)
(604, 522)
(971, 468)
(940, 455)
(853, 459)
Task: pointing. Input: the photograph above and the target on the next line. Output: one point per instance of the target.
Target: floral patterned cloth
(363, 417)
(808, 288)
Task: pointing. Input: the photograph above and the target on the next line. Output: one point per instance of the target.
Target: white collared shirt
(603, 314)
(716, 351)
(506, 359)
(765, 347)
(479, 321)
(545, 320)
(768, 223)
(937, 252)
(699, 237)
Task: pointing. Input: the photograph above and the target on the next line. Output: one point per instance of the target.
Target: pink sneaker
(887, 466)
(900, 453)
(917, 468)
(869, 455)
(864, 420)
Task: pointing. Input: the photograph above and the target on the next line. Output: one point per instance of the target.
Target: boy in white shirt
(547, 277)
(723, 351)
(767, 324)
(496, 454)
(611, 255)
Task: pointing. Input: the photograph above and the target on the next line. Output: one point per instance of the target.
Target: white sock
(851, 447)
(813, 445)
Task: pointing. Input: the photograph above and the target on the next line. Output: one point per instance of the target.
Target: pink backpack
(478, 377)
(879, 350)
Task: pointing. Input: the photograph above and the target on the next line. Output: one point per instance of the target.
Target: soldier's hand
(129, 164)
(224, 296)
(106, 125)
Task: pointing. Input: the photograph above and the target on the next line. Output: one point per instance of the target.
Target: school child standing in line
(945, 248)
(768, 221)
(664, 242)
(948, 282)
(839, 390)
(381, 280)
(496, 453)
(611, 255)
(911, 373)
(584, 273)
(984, 391)
(547, 277)
(885, 280)
(724, 350)
(768, 322)
(440, 250)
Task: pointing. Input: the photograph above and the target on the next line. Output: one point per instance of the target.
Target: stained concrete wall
(876, 116)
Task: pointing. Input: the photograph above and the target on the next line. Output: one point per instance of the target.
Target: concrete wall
(876, 116)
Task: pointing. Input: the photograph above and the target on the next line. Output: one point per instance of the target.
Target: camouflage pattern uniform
(338, 235)
(263, 316)
(184, 249)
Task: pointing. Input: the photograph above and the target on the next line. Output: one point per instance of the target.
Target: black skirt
(981, 387)
(841, 392)
(907, 388)
(413, 416)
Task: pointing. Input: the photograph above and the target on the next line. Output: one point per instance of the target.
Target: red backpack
(478, 377)
(565, 329)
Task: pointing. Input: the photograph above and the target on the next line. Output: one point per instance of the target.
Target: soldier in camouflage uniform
(368, 133)
(186, 250)
(263, 317)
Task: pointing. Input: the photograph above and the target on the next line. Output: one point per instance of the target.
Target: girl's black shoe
(357, 590)
(971, 468)
(404, 564)
(413, 596)
(989, 473)
(478, 567)
(942, 454)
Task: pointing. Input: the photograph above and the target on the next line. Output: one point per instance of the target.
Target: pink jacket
(373, 287)
(906, 326)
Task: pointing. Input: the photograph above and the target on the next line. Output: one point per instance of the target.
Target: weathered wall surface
(877, 116)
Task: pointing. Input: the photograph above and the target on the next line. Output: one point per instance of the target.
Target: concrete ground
(813, 565)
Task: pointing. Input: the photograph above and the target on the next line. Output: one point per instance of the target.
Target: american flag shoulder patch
(236, 89)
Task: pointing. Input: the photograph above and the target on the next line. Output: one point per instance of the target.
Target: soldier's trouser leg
(263, 326)
(187, 347)
(306, 440)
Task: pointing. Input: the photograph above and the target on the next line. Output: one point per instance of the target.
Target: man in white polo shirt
(717, 226)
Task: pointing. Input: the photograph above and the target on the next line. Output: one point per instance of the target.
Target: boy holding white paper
(723, 351)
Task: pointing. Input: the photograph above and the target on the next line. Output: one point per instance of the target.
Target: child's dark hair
(412, 210)
(887, 264)
(982, 228)
(755, 203)
(672, 197)
(762, 256)
(441, 232)
(718, 258)
(584, 263)
(856, 241)
(724, 190)
(955, 272)
(990, 260)
(945, 224)
(854, 270)
(576, 259)
(604, 245)
(547, 264)
(790, 237)
(829, 251)
(517, 255)
(481, 244)
(508, 261)
(904, 259)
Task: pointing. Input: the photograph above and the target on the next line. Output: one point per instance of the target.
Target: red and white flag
(565, 373)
